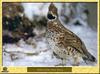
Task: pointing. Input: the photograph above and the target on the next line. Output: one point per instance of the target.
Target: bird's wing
(74, 41)
(68, 38)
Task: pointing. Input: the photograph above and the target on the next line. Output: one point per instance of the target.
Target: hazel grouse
(63, 42)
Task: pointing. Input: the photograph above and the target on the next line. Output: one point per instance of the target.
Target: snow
(88, 36)
(24, 54)
(32, 9)
(41, 9)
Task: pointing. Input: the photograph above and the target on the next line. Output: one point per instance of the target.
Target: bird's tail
(89, 58)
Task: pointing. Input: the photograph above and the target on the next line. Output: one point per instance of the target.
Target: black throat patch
(50, 16)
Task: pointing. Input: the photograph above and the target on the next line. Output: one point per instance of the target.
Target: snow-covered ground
(40, 55)
(25, 57)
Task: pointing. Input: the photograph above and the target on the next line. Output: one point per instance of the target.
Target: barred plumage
(63, 42)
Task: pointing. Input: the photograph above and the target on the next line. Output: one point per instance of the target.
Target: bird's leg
(52, 55)
(76, 61)
(63, 62)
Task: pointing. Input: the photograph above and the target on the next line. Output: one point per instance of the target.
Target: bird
(63, 42)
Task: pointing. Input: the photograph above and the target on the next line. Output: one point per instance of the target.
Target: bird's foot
(75, 64)
(52, 56)
(60, 64)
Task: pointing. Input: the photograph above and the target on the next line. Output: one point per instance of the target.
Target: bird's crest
(53, 9)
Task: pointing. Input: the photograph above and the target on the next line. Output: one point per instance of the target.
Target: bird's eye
(50, 16)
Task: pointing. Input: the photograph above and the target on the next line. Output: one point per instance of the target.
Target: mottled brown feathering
(63, 42)
(53, 9)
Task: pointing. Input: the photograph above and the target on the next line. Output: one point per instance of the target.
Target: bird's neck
(54, 24)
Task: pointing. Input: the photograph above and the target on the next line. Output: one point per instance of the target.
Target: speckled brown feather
(64, 36)
(63, 42)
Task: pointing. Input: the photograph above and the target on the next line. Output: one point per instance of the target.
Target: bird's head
(52, 12)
